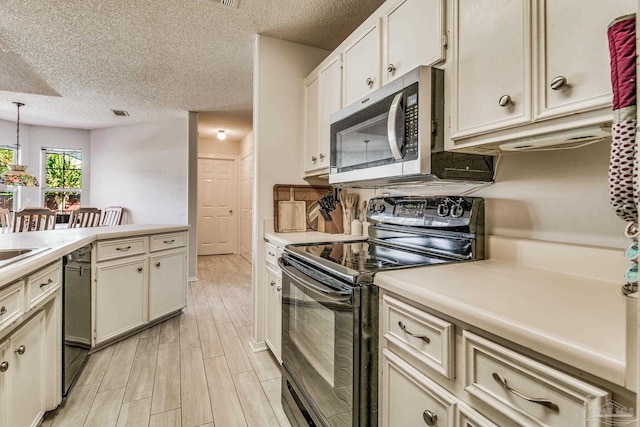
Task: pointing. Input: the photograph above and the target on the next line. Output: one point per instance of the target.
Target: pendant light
(17, 175)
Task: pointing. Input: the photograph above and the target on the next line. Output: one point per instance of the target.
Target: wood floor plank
(209, 339)
(255, 405)
(151, 332)
(170, 330)
(141, 378)
(135, 414)
(166, 386)
(105, 409)
(189, 337)
(225, 404)
(200, 300)
(272, 388)
(96, 366)
(233, 350)
(119, 368)
(238, 318)
(77, 406)
(166, 419)
(263, 362)
(196, 405)
(218, 310)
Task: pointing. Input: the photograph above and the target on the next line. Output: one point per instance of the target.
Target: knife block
(334, 226)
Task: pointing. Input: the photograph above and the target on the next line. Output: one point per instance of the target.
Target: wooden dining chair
(85, 217)
(5, 220)
(111, 215)
(34, 219)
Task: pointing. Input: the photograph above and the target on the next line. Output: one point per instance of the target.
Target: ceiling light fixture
(17, 175)
(222, 134)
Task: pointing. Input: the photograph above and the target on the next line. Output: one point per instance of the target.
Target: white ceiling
(71, 62)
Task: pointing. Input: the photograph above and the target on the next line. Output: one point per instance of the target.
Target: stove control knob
(443, 209)
(372, 207)
(381, 208)
(457, 211)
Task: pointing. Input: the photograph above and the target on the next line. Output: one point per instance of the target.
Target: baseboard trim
(257, 347)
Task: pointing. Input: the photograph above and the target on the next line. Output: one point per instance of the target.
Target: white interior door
(217, 189)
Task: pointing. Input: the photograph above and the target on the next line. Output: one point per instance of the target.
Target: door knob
(20, 350)
(157, 264)
(369, 81)
(4, 366)
(429, 418)
(505, 100)
(558, 83)
(139, 268)
(391, 68)
(230, 211)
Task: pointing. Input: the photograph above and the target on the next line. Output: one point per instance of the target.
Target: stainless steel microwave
(395, 134)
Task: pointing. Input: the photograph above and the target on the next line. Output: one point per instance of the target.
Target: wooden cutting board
(308, 194)
(292, 215)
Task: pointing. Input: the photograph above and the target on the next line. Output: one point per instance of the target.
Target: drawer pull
(422, 337)
(20, 350)
(168, 242)
(124, 249)
(42, 285)
(429, 418)
(4, 366)
(271, 254)
(3, 310)
(544, 402)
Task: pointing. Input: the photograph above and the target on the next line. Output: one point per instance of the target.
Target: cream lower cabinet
(273, 326)
(166, 282)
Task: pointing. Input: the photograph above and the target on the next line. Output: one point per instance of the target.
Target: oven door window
(318, 347)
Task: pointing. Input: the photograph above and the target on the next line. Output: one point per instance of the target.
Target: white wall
(278, 111)
(215, 146)
(246, 145)
(143, 168)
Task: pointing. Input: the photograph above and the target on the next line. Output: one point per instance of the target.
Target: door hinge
(449, 122)
(95, 335)
(445, 40)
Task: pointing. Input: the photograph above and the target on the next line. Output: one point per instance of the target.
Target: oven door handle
(314, 285)
(391, 126)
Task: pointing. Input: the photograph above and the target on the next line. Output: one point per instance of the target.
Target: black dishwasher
(76, 321)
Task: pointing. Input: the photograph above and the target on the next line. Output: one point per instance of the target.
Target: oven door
(317, 348)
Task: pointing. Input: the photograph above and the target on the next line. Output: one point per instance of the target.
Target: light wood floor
(193, 370)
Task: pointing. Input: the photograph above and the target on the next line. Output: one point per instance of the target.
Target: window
(7, 194)
(63, 179)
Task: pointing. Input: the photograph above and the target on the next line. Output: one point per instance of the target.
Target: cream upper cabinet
(323, 96)
(361, 65)
(413, 36)
(492, 63)
(573, 54)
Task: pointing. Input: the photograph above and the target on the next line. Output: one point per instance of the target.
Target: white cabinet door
(330, 102)
(573, 47)
(492, 65)
(311, 125)
(413, 36)
(273, 313)
(166, 283)
(120, 297)
(5, 364)
(22, 383)
(361, 65)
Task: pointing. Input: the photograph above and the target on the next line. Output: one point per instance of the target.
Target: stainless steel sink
(9, 256)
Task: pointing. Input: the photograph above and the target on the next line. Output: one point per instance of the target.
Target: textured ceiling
(73, 61)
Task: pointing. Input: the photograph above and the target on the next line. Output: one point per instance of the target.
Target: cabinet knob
(505, 100)
(157, 264)
(321, 156)
(4, 366)
(272, 283)
(3, 310)
(313, 159)
(391, 68)
(429, 418)
(279, 288)
(558, 83)
(139, 268)
(42, 285)
(20, 350)
(369, 81)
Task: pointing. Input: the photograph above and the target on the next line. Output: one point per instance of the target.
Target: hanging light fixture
(17, 175)
(222, 134)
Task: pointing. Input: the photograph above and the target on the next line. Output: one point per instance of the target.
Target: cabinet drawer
(467, 417)
(529, 392)
(271, 254)
(411, 399)
(11, 303)
(43, 283)
(111, 249)
(424, 336)
(167, 241)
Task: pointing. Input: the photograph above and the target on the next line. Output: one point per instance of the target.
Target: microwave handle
(391, 126)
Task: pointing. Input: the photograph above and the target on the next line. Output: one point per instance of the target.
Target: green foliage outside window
(63, 173)
(6, 196)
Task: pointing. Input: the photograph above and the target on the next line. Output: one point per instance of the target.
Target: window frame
(45, 189)
(6, 189)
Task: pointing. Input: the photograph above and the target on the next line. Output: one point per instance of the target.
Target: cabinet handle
(271, 254)
(321, 156)
(4, 366)
(124, 249)
(42, 285)
(279, 288)
(168, 242)
(369, 81)
(544, 402)
(140, 269)
(558, 83)
(158, 264)
(3, 310)
(272, 283)
(391, 68)
(422, 337)
(313, 159)
(505, 100)
(429, 418)
(20, 350)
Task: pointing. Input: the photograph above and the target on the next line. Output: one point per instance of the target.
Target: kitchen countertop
(575, 319)
(63, 241)
(283, 239)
